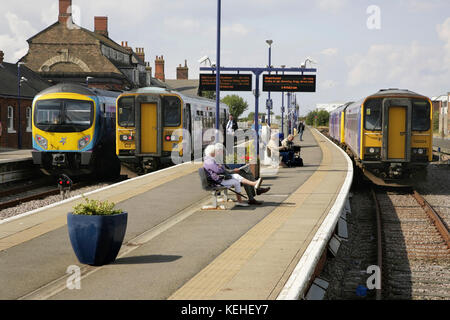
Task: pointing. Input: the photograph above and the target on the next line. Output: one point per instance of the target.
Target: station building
(440, 106)
(30, 85)
(66, 52)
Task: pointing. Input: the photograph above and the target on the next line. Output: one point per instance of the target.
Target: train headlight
(372, 150)
(169, 138)
(42, 141)
(420, 151)
(83, 142)
(126, 137)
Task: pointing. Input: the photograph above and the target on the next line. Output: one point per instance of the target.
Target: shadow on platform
(154, 258)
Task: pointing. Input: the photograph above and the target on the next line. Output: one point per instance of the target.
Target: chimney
(1, 57)
(148, 67)
(140, 53)
(125, 45)
(65, 11)
(159, 68)
(183, 72)
(101, 25)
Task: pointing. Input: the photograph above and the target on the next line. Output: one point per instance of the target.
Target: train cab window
(78, 112)
(420, 115)
(373, 114)
(172, 111)
(126, 112)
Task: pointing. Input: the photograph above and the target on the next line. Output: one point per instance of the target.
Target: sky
(360, 46)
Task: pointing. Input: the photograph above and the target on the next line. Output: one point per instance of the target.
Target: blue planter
(96, 240)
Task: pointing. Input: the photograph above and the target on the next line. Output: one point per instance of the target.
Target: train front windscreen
(63, 115)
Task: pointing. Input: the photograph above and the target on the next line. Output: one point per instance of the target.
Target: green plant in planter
(96, 208)
(96, 231)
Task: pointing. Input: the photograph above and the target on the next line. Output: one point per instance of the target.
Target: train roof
(159, 90)
(341, 108)
(394, 92)
(79, 89)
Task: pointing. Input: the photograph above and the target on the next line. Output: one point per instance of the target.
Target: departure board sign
(289, 83)
(228, 82)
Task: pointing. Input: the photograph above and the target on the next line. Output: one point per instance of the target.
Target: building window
(11, 120)
(29, 119)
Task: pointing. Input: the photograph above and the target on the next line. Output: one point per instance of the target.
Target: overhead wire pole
(219, 5)
(269, 101)
(257, 72)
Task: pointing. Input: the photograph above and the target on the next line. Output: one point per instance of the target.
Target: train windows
(63, 115)
(172, 111)
(78, 112)
(373, 114)
(48, 112)
(420, 115)
(126, 112)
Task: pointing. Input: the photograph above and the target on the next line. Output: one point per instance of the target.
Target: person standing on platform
(301, 129)
(230, 128)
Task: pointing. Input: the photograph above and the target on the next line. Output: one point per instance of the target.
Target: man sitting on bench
(245, 172)
(220, 176)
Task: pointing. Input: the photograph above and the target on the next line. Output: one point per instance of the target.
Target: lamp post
(19, 127)
(269, 101)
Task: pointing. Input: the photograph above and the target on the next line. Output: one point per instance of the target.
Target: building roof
(189, 87)
(329, 106)
(442, 98)
(9, 82)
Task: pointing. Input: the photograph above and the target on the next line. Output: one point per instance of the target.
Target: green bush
(436, 122)
(96, 208)
(323, 118)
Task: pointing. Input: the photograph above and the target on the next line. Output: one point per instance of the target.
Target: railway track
(415, 248)
(39, 191)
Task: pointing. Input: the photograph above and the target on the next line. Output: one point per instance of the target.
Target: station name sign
(228, 82)
(289, 83)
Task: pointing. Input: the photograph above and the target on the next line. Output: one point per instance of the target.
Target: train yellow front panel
(397, 133)
(149, 128)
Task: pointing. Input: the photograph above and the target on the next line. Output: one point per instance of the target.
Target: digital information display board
(289, 83)
(228, 82)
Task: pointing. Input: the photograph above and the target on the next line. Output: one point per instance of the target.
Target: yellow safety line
(61, 220)
(219, 272)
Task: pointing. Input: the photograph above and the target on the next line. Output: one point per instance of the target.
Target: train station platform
(15, 155)
(173, 249)
(442, 143)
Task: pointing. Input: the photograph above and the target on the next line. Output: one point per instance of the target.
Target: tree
(251, 115)
(209, 94)
(236, 104)
(323, 118)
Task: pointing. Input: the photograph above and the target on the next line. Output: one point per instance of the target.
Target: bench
(214, 188)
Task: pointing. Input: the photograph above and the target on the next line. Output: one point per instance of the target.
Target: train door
(149, 128)
(397, 132)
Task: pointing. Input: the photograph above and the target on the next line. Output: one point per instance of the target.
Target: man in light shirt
(230, 127)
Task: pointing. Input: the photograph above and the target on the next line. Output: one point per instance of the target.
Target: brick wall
(10, 140)
(76, 42)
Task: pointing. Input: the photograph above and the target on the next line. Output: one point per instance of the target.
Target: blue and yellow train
(388, 135)
(73, 131)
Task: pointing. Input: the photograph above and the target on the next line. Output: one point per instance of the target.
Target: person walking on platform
(220, 176)
(301, 129)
